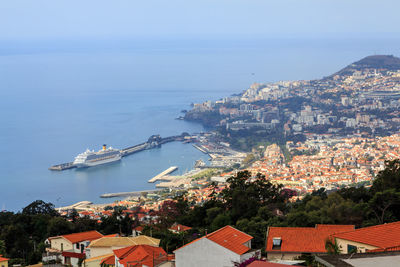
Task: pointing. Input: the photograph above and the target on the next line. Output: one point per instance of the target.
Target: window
(276, 243)
(351, 249)
(62, 247)
(77, 245)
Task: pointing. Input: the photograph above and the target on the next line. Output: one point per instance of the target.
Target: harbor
(152, 142)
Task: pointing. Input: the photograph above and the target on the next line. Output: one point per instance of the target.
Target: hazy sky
(55, 19)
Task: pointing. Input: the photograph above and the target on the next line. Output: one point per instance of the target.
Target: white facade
(205, 252)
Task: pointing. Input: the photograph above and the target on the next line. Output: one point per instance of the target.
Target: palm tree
(331, 246)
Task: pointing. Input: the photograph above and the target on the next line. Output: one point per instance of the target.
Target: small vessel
(89, 158)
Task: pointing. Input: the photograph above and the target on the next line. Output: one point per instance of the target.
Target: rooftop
(228, 237)
(125, 241)
(143, 254)
(381, 236)
(79, 237)
(303, 239)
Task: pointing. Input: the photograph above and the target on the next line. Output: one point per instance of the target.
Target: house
(387, 259)
(108, 261)
(97, 261)
(3, 261)
(137, 230)
(223, 247)
(106, 245)
(288, 243)
(140, 256)
(384, 237)
(179, 228)
(69, 249)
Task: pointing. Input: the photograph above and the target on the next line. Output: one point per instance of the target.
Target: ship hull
(87, 164)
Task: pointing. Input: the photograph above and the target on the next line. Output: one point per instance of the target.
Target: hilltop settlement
(303, 173)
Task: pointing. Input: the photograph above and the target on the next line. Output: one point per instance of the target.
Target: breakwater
(129, 194)
(160, 176)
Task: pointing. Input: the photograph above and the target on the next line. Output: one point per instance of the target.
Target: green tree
(389, 178)
(40, 207)
(220, 221)
(381, 203)
(59, 226)
(244, 195)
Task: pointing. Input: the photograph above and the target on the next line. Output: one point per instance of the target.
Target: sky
(109, 19)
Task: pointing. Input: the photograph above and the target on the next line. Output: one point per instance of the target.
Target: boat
(90, 158)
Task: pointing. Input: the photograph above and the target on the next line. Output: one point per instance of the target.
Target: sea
(61, 97)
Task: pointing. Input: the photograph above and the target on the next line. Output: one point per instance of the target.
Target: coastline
(220, 157)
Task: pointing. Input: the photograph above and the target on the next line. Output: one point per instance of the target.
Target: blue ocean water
(57, 99)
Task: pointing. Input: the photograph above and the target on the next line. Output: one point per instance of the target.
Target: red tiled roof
(142, 254)
(109, 260)
(381, 236)
(394, 248)
(79, 237)
(180, 228)
(73, 255)
(229, 238)
(111, 235)
(139, 228)
(304, 239)
(122, 252)
(3, 259)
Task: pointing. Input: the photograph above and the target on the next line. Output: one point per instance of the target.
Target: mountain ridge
(385, 62)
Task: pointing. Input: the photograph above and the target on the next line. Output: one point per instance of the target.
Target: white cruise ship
(89, 158)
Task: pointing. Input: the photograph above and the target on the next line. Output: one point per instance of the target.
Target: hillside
(382, 62)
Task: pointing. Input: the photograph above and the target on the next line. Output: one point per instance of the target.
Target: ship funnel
(104, 147)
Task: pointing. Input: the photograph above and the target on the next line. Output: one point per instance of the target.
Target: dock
(160, 176)
(129, 194)
(200, 148)
(82, 205)
(152, 142)
(133, 149)
(63, 166)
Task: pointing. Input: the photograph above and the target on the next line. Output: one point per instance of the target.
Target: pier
(153, 142)
(129, 194)
(82, 205)
(201, 148)
(160, 176)
(63, 166)
(133, 149)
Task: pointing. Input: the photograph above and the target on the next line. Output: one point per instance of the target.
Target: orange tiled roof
(229, 238)
(143, 254)
(3, 259)
(108, 261)
(304, 239)
(381, 236)
(180, 228)
(79, 237)
(394, 248)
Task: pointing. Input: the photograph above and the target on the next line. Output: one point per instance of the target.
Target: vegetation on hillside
(250, 204)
